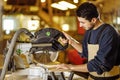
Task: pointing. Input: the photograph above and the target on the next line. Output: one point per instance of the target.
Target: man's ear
(94, 20)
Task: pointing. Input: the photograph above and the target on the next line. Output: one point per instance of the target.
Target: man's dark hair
(87, 10)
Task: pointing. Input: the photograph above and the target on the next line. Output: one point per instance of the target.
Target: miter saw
(43, 41)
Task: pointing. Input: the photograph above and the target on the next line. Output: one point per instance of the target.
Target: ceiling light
(67, 4)
(43, 1)
(63, 5)
(58, 6)
(75, 1)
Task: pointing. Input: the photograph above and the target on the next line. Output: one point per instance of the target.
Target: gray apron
(92, 51)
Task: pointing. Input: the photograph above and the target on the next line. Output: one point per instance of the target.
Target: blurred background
(59, 14)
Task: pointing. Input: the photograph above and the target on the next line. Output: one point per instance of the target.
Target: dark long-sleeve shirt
(106, 55)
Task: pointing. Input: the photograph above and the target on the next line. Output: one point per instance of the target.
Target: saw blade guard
(50, 36)
(46, 45)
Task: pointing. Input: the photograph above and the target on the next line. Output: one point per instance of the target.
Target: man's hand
(64, 66)
(69, 38)
(62, 41)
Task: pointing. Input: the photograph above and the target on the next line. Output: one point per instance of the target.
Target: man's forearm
(79, 68)
(76, 45)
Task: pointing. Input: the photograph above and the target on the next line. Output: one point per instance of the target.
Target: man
(99, 45)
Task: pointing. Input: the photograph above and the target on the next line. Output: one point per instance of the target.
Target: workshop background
(39, 14)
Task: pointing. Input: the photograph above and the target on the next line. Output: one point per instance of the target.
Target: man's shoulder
(109, 28)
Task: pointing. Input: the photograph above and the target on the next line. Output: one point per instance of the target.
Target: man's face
(86, 24)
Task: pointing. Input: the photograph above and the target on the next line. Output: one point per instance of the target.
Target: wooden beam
(1, 13)
(50, 11)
